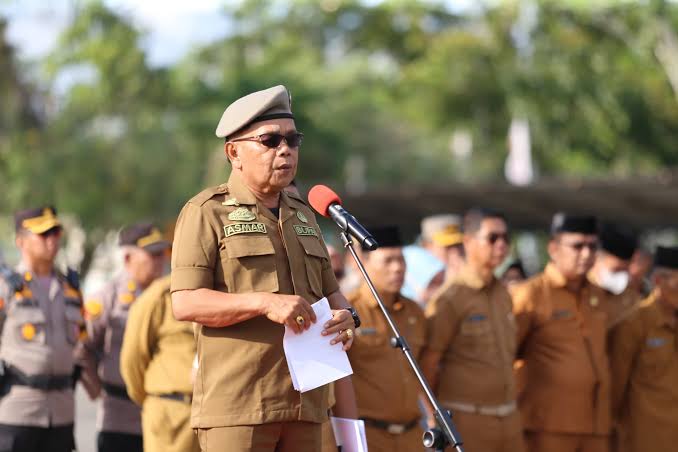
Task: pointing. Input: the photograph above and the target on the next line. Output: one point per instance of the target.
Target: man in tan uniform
(611, 272)
(118, 418)
(644, 363)
(386, 387)
(562, 339)
(441, 236)
(156, 362)
(42, 325)
(247, 259)
(472, 344)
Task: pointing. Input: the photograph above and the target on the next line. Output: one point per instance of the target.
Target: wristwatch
(354, 314)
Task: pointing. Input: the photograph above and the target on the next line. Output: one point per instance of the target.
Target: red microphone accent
(321, 197)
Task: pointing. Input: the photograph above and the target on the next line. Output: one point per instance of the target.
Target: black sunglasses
(273, 140)
(578, 246)
(494, 237)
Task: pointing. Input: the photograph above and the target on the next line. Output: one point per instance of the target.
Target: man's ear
(232, 154)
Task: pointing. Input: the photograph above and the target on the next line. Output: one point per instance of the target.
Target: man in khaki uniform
(247, 259)
(386, 387)
(118, 418)
(43, 323)
(441, 236)
(472, 342)
(611, 272)
(562, 339)
(644, 363)
(156, 363)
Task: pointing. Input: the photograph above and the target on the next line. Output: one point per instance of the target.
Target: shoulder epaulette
(73, 278)
(13, 279)
(208, 193)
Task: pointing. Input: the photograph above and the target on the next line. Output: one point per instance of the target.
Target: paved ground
(85, 421)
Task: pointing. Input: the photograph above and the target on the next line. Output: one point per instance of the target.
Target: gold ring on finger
(300, 320)
(349, 333)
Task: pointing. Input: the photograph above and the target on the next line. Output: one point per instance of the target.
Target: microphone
(328, 204)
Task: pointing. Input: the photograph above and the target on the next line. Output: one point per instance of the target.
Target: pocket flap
(73, 314)
(250, 246)
(312, 246)
(28, 315)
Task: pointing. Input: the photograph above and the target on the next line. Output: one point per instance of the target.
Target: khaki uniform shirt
(471, 323)
(385, 386)
(227, 241)
(158, 350)
(562, 339)
(644, 363)
(106, 313)
(42, 327)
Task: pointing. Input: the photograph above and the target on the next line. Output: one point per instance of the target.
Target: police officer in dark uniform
(42, 325)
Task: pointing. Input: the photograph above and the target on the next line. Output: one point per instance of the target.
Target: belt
(178, 396)
(14, 376)
(117, 391)
(487, 410)
(393, 429)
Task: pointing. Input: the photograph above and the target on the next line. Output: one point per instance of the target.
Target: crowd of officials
(581, 357)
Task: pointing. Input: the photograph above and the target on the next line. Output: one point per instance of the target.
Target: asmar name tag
(305, 230)
(244, 228)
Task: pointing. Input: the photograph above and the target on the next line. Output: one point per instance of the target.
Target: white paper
(312, 361)
(349, 434)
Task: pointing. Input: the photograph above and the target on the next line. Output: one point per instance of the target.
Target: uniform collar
(366, 293)
(238, 190)
(662, 317)
(469, 277)
(554, 277)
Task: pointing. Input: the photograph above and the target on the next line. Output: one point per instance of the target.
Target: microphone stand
(437, 438)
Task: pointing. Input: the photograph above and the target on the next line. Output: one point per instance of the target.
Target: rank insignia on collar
(230, 202)
(302, 217)
(241, 214)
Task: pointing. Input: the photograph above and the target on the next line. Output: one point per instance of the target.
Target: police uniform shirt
(644, 363)
(562, 338)
(43, 324)
(385, 385)
(106, 312)
(228, 241)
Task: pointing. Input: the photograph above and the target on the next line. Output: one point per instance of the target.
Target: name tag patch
(244, 228)
(655, 342)
(305, 230)
(476, 318)
(561, 314)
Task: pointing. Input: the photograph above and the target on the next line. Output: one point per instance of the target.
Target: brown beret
(271, 103)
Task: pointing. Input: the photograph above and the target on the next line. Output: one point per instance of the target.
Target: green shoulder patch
(244, 228)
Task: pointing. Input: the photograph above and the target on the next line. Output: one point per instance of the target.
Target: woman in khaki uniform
(644, 363)
(247, 259)
(156, 362)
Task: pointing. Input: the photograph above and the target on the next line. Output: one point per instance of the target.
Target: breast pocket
(313, 260)
(249, 265)
(74, 322)
(656, 357)
(476, 332)
(28, 324)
